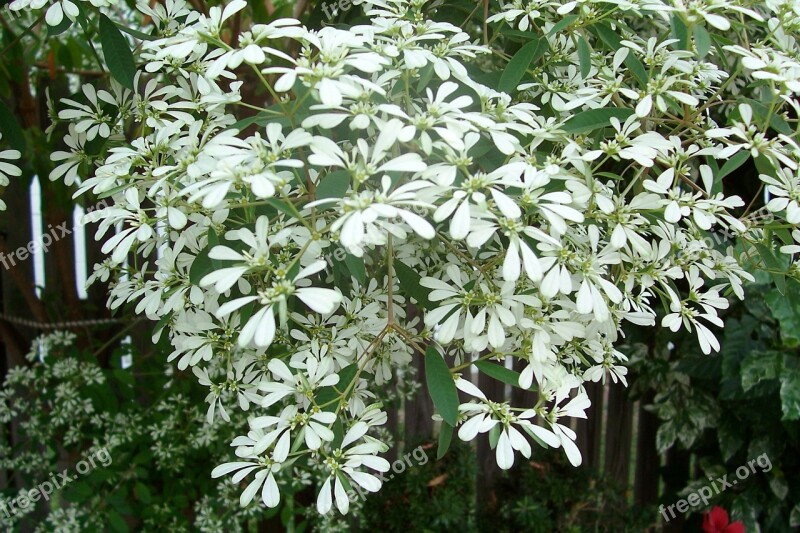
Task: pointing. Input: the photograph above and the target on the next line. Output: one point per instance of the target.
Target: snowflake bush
(303, 210)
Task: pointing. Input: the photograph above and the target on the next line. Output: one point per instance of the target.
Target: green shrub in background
(730, 409)
(66, 407)
(549, 495)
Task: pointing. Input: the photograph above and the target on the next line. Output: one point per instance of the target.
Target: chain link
(69, 324)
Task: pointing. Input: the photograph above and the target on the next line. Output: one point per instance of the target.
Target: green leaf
(117, 53)
(764, 165)
(326, 395)
(563, 24)
(78, 492)
(777, 269)
(445, 438)
(356, 267)
(732, 164)
(680, 31)
(776, 122)
(779, 486)
(613, 42)
(519, 64)
(116, 522)
(441, 386)
(511, 32)
(338, 434)
(786, 309)
(136, 33)
(500, 373)
(794, 516)
(203, 265)
(143, 493)
(790, 388)
(665, 436)
(12, 133)
(593, 119)
(54, 31)
(333, 185)
(410, 281)
(702, 40)
(425, 76)
(758, 367)
(282, 206)
(584, 57)
(494, 436)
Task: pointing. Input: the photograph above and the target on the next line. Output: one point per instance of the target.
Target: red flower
(716, 521)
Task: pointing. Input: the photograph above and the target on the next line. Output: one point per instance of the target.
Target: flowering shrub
(303, 210)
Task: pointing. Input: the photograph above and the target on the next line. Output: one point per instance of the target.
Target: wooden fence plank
(645, 486)
(619, 427)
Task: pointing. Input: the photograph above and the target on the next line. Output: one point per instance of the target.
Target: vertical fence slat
(589, 430)
(618, 434)
(645, 486)
(419, 409)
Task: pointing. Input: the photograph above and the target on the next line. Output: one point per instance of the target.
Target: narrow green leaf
(118, 55)
(584, 57)
(593, 119)
(202, 264)
(494, 436)
(562, 24)
(282, 206)
(518, 65)
(732, 164)
(410, 281)
(445, 438)
(143, 493)
(680, 31)
(425, 76)
(12, 133)
(441, 386)
(764, 165)
(326, 395)
(500, 373)
(116, 522)
(776, 122)
(356, 267)
(333, 185)
(54, 31)
(702, 40)
(136, 33)
(613, 42)
(511, 32)
(774, 265)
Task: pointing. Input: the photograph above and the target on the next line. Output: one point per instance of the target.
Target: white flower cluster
(8, 168)
(289, 247)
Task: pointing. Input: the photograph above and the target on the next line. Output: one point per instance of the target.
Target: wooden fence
(618, 440)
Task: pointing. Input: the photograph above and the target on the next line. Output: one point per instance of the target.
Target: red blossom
(716, 521)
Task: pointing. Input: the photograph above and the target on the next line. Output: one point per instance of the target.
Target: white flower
(261, 326)
(785, 188)
(7, 168)
(344, 462)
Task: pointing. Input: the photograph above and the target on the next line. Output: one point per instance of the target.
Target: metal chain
(35, 324)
